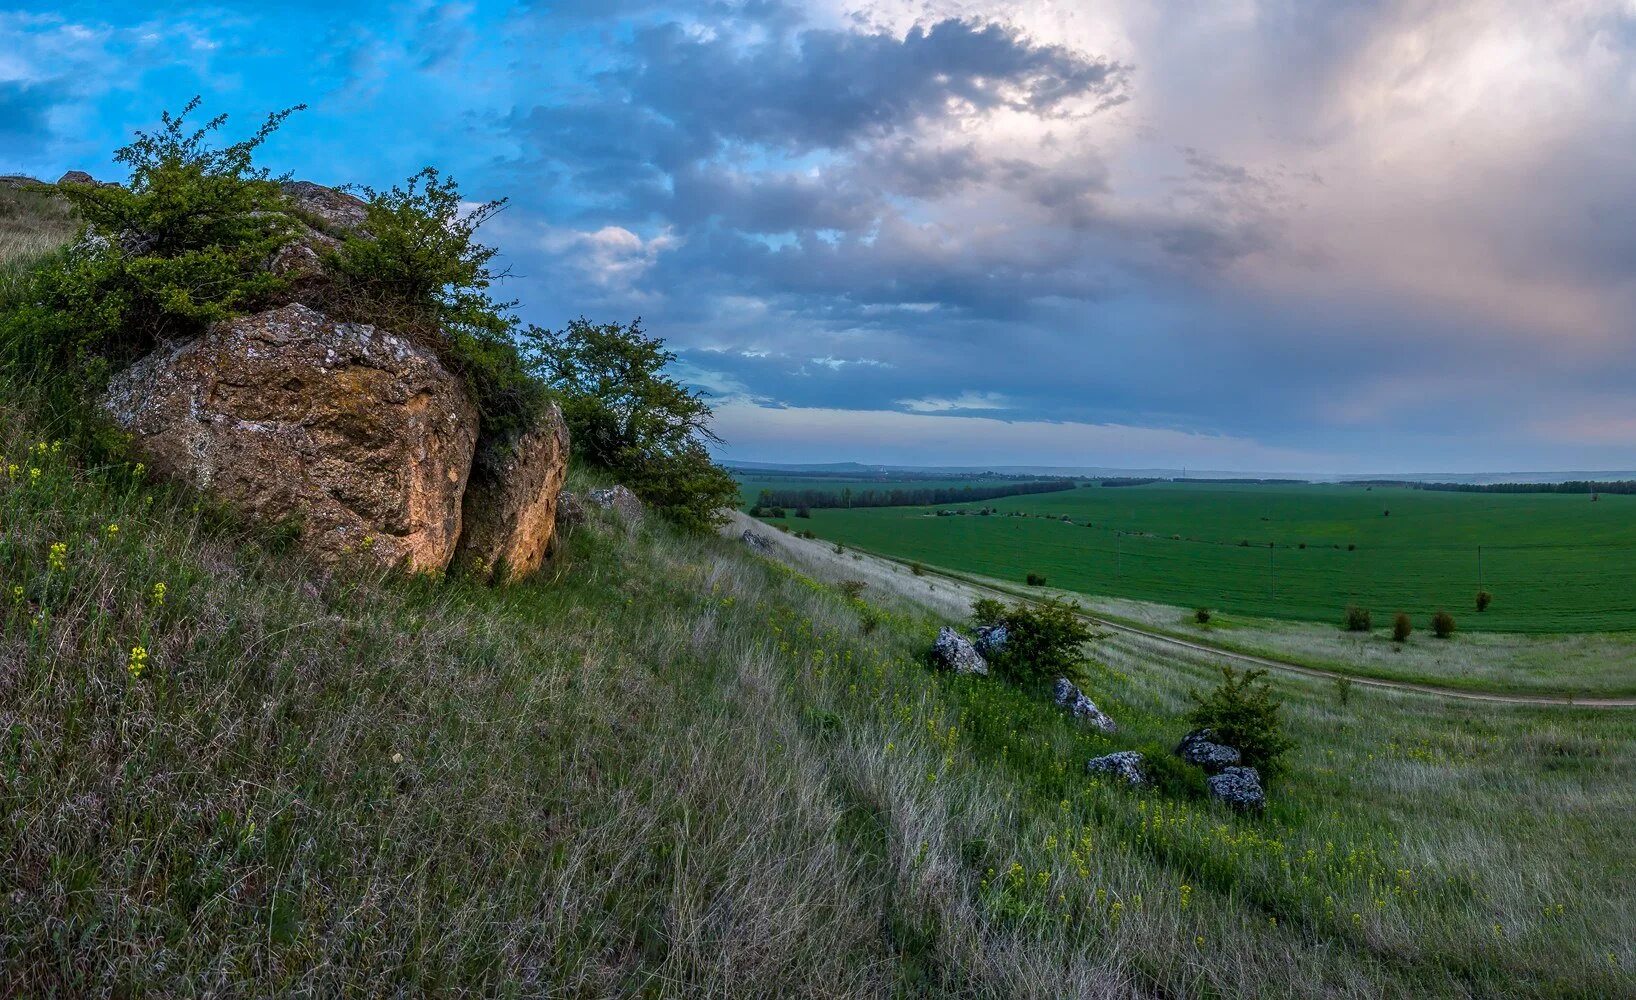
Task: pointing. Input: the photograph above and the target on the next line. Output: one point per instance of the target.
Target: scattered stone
(334, 209)
(1069, 696)
(358, 437)
(509, 515)
(619, 500)
(756, 540)
(1200, 749)
(991, 639)
(570, 511)
(1239, 787)
(1125, 764)
(955, 652)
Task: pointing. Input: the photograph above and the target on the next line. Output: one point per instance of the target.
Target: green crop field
(1554, 563)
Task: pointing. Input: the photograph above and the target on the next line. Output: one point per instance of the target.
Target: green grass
(670, 768)
(1555, 563)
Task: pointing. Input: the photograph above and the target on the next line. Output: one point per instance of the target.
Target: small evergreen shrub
(1036, 580)
(1401, 627)
(1358, 619)
(1443, 625)
(1245, 715)
(986, 612)
(1042, 641)
(917, 569)
(1202, 616)
(1484, 599)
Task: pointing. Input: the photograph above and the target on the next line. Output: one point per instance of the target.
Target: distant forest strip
(1625, 486)
(1140, 481)
(922, 497)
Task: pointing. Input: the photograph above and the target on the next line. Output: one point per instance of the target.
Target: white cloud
(967, 400)
(792, 434)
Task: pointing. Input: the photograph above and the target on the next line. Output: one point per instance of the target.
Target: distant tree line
(925, 496)
(1627, 486)
(1145, 481)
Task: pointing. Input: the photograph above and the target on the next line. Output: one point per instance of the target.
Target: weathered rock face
(1201, 749)
(955, 652)
(756, 541)
(357, 434)
(335, 209)
(1126, 764)
(510, 509)
(619, 500)
(1069, 696)
(1239, 787)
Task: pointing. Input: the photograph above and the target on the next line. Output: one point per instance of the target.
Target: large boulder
(510, 511)
(1125, 764)
(953, 651)
(1069, 696)
(356, 435)
(1239, 787)
(756, 541)
(1200, 748)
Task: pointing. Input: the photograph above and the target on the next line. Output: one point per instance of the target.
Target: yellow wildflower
(57, 558)
(159, 594)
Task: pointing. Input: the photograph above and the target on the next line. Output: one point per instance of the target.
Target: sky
(1282, 236)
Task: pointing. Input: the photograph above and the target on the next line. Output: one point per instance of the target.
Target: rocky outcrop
(81, 177)
(1068, 695)
(953, 651)
(756, 541)
(620, 500)
(1200, 749)
(1126, 764)
(332, 209)
(509, 514)
(357, 436)
(1239, 787)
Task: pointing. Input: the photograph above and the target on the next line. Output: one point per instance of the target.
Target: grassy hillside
(671, 768)
(1554, 563)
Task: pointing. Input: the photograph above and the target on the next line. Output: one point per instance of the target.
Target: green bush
(1202, 616)
(416, 267)
(1401, 627)
(1042, 641)
(1358, 619)
(1036, 579)
(626, 415)
(1244, 715)
(1443, 625)
(1484, 599)
(987, 612)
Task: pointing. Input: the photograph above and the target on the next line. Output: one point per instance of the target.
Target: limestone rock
(991, 639)
(81, 177)
(1239, 787)
(955, 652)
(1126, 764)
(756, 541)
(357, 435)
(1069, 696)
(509, 515)
(1200, 748)
(619, 500)
(336, 210)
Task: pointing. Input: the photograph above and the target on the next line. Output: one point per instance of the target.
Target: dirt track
(951, 595)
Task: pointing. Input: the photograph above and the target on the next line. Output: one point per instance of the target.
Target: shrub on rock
(1242, 714)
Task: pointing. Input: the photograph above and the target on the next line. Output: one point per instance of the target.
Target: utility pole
(1270, 588)
(1479, 567)
(1118, 560)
